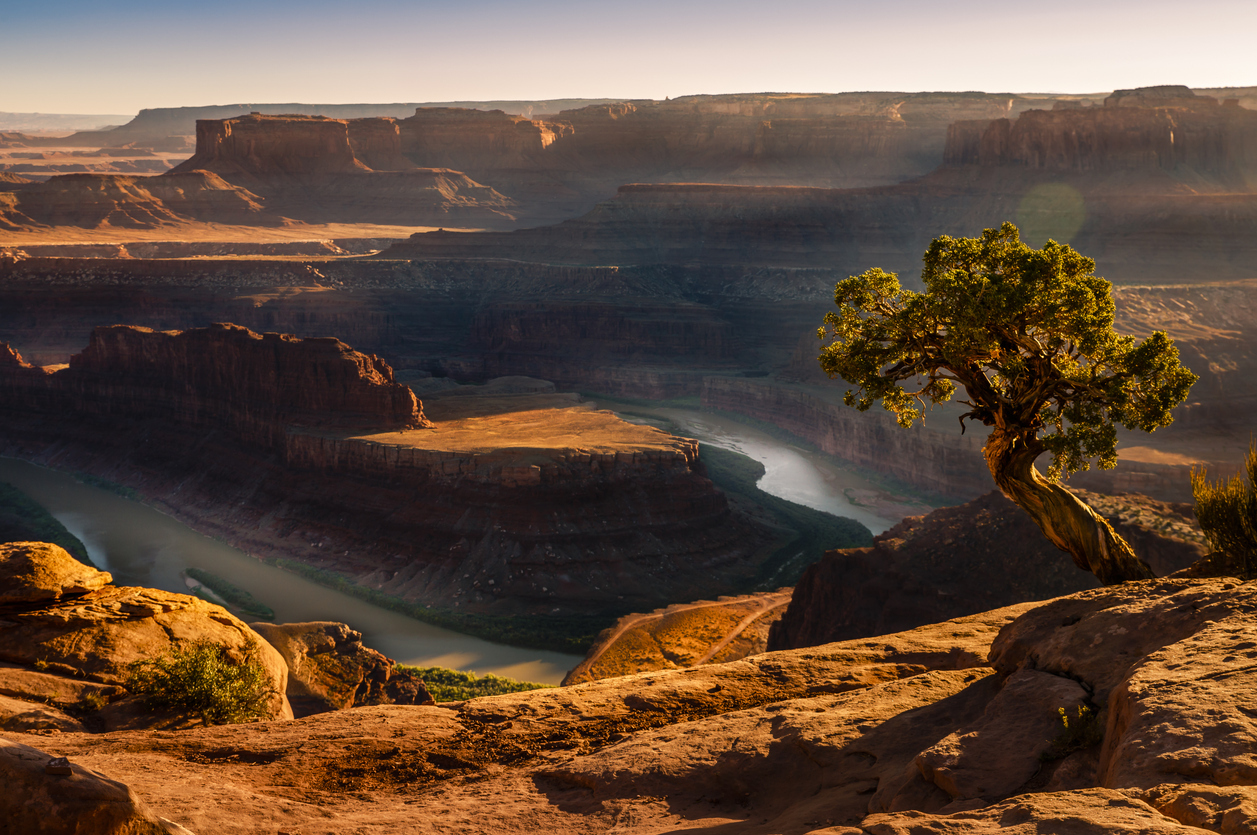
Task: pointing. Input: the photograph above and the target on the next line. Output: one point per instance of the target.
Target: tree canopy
(1028, 335)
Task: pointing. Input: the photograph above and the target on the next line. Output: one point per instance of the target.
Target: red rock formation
(113, 200)
(1167, 129)
(376, 143)
(221, 377)
(959, 560)
(264, 146)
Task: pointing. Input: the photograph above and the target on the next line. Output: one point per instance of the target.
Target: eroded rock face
(94, 635)
(984, 553)
(36, 802)
(40, 573)
(330, 669)
(220, 377)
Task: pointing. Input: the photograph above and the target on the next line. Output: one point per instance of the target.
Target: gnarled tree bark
(1068, 522)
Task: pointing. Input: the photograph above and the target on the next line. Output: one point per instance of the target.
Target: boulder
(39, 572)
(83, 802)
(1000, 752)
(18, 715)
(330, 669)
(54, 644)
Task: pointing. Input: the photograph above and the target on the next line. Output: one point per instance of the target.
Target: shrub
(1227, 512)
(203, 679)
(448, 685)
(1083, 730)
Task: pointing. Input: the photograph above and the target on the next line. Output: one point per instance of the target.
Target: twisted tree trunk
(1068, 522)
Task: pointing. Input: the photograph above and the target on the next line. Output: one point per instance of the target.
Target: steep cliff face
(376, 143)
(222, 377)
(322, 170)
(959, 560)
(263, 146)
(1166, 129)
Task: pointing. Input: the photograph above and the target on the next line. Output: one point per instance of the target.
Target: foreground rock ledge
(916, 732)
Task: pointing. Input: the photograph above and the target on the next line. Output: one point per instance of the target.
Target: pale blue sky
(73, 56)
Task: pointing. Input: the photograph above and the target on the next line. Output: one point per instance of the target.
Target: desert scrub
(448, 685)
(233, 594)
(204, 679)
(1227, 511)
(1082, 730)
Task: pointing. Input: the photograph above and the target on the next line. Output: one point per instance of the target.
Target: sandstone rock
(1090, 812)
(96, 636)
(39, 573)
(59, 691)
(330, 669)
(1000, 752)
(85, 802)
(967, 558)
(17, 715)
(1224, 809)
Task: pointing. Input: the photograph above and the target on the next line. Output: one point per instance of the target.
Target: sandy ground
(525, 422)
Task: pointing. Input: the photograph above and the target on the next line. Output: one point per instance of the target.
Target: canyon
(505, 502)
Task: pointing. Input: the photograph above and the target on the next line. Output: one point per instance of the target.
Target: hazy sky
(117, 57)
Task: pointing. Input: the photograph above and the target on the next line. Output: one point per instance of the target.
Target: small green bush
(1083, 730)
(448, 685)
(1227, 512)
(203, 679)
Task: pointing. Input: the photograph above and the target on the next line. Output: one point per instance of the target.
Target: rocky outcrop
(92, 631)
(330, 669)
(964, 559)
(222, 377)
(683, 635)
(268, 146)
(43, 797)
(307, 167)
(953, 727)
(1159, 128)
(126, 202)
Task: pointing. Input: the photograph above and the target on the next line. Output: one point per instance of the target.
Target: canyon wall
(1168, 129)
(221, 377)
(281, 446)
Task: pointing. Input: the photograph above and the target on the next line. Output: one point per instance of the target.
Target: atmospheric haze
(81, 57)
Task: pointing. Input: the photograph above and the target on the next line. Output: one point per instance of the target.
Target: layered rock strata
(301, 449)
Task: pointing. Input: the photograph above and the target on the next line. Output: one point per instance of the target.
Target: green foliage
(22, 519)
(1082, 731)
(233, 594)
(1028, 333)
(448, 685)
(810, 532)
(1227, 512)
(204, 679)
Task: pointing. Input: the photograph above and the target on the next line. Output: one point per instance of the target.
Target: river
(141, 546)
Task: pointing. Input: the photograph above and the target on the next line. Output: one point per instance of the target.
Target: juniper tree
(1028, 335)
